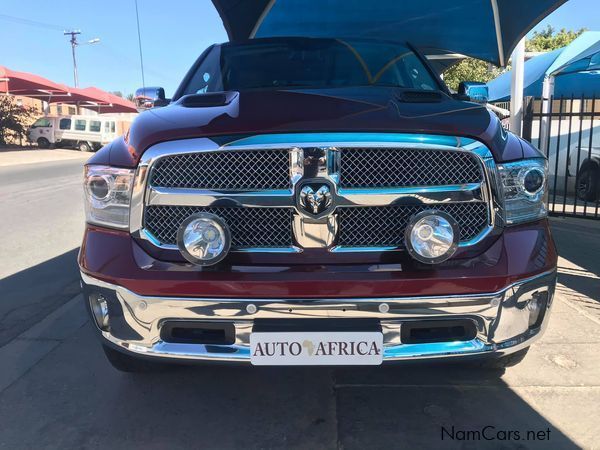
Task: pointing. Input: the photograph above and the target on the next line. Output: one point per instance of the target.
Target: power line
(137, 16)
(32, 23)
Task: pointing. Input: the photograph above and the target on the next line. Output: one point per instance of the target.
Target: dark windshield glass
(309, 63)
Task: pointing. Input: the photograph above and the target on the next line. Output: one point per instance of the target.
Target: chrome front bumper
(501, 318)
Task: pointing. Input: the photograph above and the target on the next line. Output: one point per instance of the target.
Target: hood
(323, 110)
(487, 30)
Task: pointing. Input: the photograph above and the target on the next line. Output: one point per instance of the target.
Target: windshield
(309, 63)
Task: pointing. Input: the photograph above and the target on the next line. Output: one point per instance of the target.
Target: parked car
(316, 202)
(587, 174)
(86, 133)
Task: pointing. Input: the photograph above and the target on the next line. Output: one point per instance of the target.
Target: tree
(14, 119)
(548, 39)
(470, 69)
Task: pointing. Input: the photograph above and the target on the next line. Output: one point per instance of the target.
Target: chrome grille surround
(316, 163)
(375, 167)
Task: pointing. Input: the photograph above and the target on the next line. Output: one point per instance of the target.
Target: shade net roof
(484, 29)
(100, 100)
(30, 85)
(575, 68)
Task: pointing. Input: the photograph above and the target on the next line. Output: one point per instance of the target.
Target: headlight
(525, 190)
(107, 192)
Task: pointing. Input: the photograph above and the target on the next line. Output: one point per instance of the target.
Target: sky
(174, 33)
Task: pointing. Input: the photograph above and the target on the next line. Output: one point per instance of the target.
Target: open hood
(484, 29)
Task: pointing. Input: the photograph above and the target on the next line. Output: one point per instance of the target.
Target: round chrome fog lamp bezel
(217, 223)
(414, 220)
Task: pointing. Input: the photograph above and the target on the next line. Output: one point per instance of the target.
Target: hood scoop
(207, 100)
(419, 96)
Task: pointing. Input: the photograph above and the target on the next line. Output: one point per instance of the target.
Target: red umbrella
(30, 85)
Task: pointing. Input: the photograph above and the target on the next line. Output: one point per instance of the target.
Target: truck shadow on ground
(76, 399)
(408, 406)
(30, 295)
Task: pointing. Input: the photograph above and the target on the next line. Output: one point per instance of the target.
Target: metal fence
(567, 131)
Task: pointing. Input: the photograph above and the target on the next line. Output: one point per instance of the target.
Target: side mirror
(474, 91)
(150, 97)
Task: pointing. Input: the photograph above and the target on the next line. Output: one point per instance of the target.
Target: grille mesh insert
(375, 226)
(397, 167)
(227, 170)
(250, 227)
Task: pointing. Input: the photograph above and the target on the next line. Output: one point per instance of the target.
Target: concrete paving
(34, 155)
(58, 391)
(41, 210)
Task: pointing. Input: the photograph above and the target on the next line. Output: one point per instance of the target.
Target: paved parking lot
(57, 390)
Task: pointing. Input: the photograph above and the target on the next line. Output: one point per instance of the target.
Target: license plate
(316, 348)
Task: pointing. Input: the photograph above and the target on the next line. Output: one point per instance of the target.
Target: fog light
(204, 239)
(99, 307)
(432, 236)
(535, 306)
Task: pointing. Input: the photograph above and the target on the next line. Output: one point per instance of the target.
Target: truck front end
(289, 222)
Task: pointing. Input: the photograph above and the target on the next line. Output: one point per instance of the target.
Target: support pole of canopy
(547, 94)
(516, 88)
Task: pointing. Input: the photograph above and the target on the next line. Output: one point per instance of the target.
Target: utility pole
(73, 40)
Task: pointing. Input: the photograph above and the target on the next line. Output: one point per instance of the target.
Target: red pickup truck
(316, 202)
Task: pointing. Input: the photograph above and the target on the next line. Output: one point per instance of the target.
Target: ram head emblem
(315, 202)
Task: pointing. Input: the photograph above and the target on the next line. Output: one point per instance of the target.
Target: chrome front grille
(384, 226)
(224, 170)
(269, 195)
(250, 227)
(397, 167)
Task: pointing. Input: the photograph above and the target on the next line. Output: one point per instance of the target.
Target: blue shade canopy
(441, 60)
(578, 55)
(575, 68)
(484, 29)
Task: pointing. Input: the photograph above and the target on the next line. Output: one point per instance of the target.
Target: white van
(87, 133)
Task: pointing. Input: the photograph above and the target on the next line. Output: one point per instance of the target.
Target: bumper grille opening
(181, 332)
(250, 227)
(437, 331)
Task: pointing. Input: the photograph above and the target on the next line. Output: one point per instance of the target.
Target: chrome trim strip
(463, 193)
(201, 197)
(145, 194)
(346, 249)
(292, 249)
